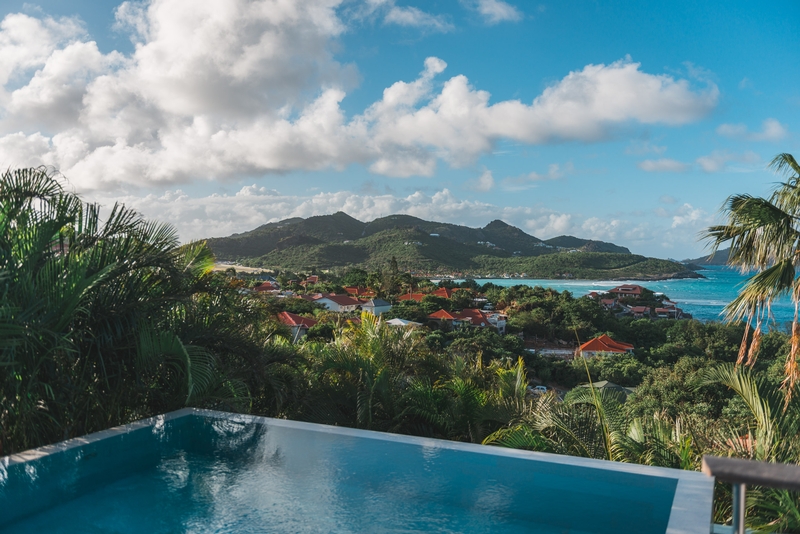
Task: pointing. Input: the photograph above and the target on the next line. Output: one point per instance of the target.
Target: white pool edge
(691, 507)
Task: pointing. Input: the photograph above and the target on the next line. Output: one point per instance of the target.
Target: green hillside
(720, 258)
(426, 247)
(586, 245)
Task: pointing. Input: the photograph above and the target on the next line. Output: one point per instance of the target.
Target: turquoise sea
(704, 298)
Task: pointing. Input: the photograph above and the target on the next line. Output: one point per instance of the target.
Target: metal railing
(740, 473)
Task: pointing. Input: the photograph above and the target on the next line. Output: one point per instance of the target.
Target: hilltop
(428, 247)
(719, 258)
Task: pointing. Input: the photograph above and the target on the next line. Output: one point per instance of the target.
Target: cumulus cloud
(485, 182)
(644, 147)
(529, 180)
(223, 214)
(688, 215)
(495, 11)
(416, 18)
(407, 16)
(225, 90)
(662, 165)
(718, 160)
(771, 130)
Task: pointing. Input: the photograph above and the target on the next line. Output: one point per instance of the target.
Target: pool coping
(688, 513)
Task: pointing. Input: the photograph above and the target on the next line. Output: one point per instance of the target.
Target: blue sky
(626, 122)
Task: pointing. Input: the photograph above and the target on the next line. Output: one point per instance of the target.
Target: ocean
(704, 298)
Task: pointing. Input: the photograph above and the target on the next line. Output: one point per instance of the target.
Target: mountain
(720, 258)
(339, 240)
(585, 245)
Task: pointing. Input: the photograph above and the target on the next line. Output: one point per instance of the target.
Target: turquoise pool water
(203, 474)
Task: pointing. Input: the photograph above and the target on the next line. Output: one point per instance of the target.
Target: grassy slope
(443, 255)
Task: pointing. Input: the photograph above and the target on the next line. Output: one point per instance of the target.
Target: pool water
(205, 474)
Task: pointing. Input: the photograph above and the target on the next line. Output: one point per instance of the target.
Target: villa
(603, 345)
(298, 324)
(627, 290)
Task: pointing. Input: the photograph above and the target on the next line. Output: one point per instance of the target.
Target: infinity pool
(197, 471)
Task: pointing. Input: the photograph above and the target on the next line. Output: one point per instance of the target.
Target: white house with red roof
(339, 303)
(603, 345)
(297, 323)
(627, 290)
(472, 317)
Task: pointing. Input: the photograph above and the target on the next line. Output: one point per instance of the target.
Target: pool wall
(58, 471)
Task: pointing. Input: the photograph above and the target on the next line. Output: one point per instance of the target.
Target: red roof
(265, 286)
(474, 315)
(292, 319)
(359, 291)
(442, 314)
(443, 292)
(412, 296)
(605, 344)
(640, 309)
(341, 300)
(627, 289)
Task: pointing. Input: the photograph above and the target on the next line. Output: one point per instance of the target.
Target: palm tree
(90, 316)
(773, 436)
(764, 235)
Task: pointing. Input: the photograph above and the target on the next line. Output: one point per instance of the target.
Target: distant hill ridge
(340, 227)
(339, 240)
(719, 258)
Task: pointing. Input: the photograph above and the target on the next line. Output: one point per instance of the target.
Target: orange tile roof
(443, 292)
(412, 296)
(605, 344)
(292, 319)
(442, 314)
(359, 291)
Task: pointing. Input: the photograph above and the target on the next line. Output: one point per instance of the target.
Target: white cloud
(771, 130)
(416, 18)
(224, 90)
(718, 160)
(223, 214)
(485, 182)
(688, 215)
(527, 181)
(644, 147)
(662, 165)
(495, 11)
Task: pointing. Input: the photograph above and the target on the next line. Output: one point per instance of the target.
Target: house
(412, 296)
(608, 304)
(354, 291)
(472, 317)
(376, 306)
(444, 316)
(339, 303)
(640, 311)
(402, 322)
(627, 290)
(310, 280)
(297, 323)
(445, 292)
(603, 345)
(267, 286)
(668, 313)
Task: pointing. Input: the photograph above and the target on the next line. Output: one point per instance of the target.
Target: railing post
(739, 507)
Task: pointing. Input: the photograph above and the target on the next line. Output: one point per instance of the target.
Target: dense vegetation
(105, 320)
(339, 241)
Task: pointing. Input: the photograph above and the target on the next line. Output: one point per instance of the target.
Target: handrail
(738, 471)
(741, 472)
